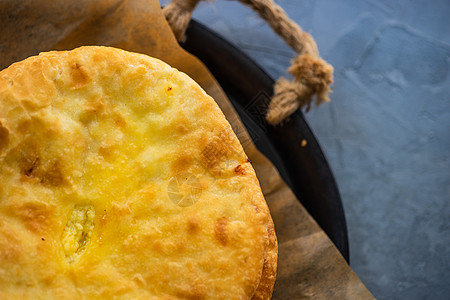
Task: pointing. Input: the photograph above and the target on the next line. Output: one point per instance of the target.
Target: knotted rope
(312, 76)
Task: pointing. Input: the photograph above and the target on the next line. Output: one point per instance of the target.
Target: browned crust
(49, 175)
(269, 272)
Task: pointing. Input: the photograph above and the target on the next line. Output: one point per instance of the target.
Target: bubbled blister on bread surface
(121, 177)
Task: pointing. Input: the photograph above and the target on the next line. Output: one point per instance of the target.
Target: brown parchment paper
(309, 266)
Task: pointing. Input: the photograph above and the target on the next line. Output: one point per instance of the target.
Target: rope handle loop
(312, 76)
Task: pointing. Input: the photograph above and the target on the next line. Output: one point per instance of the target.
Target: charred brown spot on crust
(240, 170)
(169, 88)
(52, 175)
(30, 164)
(193, 226)
(120, 121)
(24, 126)
(194, 291)
(35, 216)
(79, 75)
(93, 109)
(105, 151)
(29, 171)
(181, 128)
(182, 163)
(4, 137)
(47, 172)
(218, 153)
(220, 230)
(214, 151)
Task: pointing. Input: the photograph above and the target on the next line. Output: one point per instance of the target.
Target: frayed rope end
(312, 80)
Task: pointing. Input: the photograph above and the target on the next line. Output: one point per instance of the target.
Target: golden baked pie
(120, 177)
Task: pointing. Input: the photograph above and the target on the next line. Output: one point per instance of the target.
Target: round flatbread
(120, 177)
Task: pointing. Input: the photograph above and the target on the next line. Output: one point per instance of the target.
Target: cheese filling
(78, 231)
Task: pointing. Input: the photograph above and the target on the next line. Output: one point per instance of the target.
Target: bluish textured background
(386, 133)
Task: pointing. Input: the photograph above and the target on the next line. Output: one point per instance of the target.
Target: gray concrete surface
(386, 132)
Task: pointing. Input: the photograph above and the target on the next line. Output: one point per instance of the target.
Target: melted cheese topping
(121, 177)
